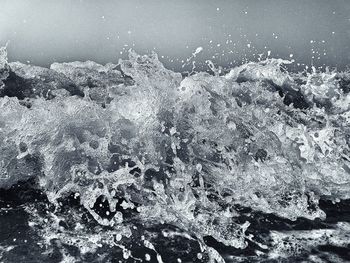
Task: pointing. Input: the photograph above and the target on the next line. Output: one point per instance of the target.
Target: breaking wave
(138, 144)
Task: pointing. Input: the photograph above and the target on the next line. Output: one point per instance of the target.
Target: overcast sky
(230, 31)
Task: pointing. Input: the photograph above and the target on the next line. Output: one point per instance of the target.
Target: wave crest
(182, 150)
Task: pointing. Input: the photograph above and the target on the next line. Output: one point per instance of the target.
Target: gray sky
(230, 31)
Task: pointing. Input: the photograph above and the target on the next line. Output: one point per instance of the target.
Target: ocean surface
(133, 162)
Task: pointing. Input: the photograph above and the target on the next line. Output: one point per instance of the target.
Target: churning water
(134, 163)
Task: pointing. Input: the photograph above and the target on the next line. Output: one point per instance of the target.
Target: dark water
(27, 245)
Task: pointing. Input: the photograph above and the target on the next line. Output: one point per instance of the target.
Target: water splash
(177, 151)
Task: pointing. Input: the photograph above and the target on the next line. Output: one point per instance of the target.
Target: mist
(314, 32)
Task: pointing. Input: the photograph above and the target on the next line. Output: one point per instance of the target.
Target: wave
(173, 149)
